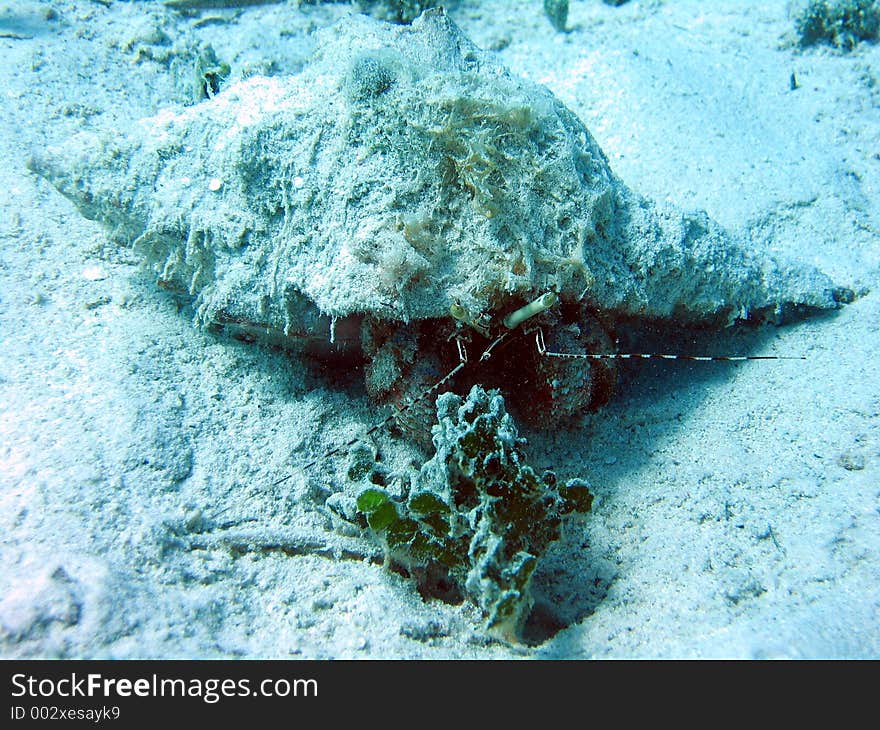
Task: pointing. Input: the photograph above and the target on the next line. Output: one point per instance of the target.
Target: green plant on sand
(840, 23)
(479, 519)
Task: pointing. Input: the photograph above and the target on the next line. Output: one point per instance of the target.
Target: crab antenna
(542, 350)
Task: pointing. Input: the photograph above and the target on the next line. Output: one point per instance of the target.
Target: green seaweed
(426, 503)
(370, 500)
(480, 518)
(209, 74)
(396, 11)
(840, 23)
(557, 13)
(384, 516)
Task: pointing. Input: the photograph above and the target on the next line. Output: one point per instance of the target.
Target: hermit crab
(405, 198)
(505, 352)
(548, 388)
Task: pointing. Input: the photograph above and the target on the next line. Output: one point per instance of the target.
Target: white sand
(738, 506)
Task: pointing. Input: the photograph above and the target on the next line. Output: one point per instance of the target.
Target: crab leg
(463, 360)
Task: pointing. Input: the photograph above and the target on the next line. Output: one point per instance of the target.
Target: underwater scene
(393, 329)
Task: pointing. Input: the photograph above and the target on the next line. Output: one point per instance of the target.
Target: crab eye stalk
(541, 304)
(458, 312)
(461, 314)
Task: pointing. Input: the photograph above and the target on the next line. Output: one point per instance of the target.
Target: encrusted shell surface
(401, 171)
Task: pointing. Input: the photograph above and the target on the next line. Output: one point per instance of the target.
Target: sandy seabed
(737, 507)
